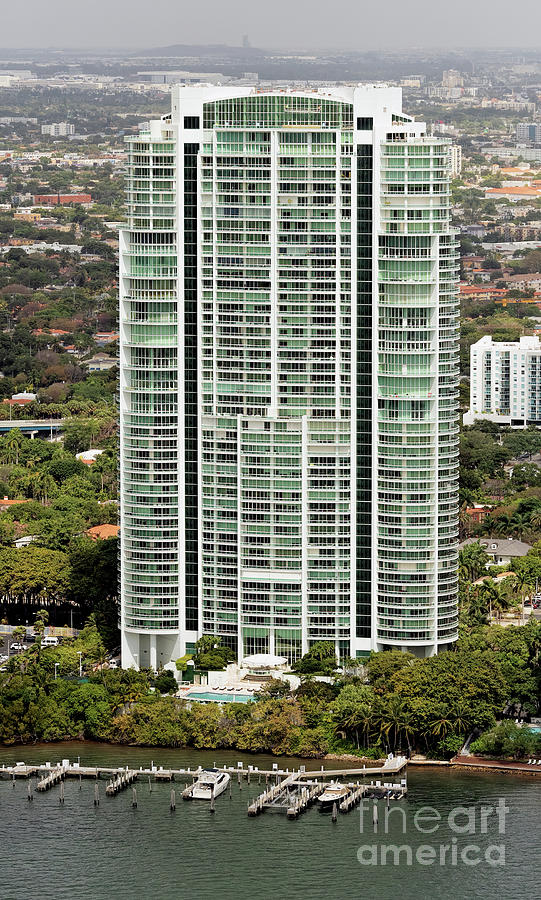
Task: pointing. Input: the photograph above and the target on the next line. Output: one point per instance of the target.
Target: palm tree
(507, 595)
(13, 445)
(501, 525)
(517, 525)
(488, 595)
(477, 606)
(464, 522)
(535, 520)
(46, 487)
(461, 716)
(442, 725)
(523, 583)
(391, 719)
(472, 561)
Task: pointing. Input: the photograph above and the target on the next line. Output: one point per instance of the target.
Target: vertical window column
(364, 388)
(190, 381)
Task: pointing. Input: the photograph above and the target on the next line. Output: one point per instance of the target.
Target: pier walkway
(391, 766)
(290, 791)
(299, 790)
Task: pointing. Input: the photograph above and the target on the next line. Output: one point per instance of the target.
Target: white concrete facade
(505, 381)
(289, 380)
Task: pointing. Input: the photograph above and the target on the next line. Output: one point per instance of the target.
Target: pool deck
(213, 695)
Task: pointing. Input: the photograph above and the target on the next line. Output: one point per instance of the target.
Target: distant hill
(183, 50)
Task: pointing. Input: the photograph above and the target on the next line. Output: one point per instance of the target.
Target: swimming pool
(210, 697)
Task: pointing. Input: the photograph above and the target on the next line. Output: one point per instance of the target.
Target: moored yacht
(333, 793)
(211, 781)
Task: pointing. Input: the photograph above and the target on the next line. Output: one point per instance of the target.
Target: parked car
(17, 646)
(49, 641)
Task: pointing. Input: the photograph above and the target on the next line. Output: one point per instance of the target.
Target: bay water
(76, 851)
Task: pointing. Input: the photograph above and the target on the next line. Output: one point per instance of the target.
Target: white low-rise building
(505, 381)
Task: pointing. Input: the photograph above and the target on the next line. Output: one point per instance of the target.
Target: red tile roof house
(22, 399)
(102, 532)
(5, 503)
(478, 513)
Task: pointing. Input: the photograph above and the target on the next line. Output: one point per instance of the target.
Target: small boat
(333, 793)
(210, 782)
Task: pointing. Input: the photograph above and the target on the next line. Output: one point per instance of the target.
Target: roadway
(32, 425)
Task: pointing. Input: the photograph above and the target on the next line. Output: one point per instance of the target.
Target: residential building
(101, 362)
(455, 160)
(528, 281)
(532, 154)
(452, 79)
(105, 337)
(288, 377)
(21, 399)
(482, 292)
(515, 193)
(61, 199)
(478, 513)
(89, 457)
(501, 551)
(58, 129)
(102, 532)
(5, 503)
(529, 131)
(505, 381)
(26, 215)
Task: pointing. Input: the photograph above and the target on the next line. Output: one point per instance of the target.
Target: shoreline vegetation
(393, 702)
(471, 764)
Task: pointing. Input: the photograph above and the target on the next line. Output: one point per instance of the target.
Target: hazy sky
(303, 24)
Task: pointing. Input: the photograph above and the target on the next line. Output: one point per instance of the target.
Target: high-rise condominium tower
(288, 397)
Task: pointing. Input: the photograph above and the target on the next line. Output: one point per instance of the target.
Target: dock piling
(134, 798)
(96, 795)
(173, 802)
(334, 812)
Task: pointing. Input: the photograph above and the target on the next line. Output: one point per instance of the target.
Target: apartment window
(191, 121)
(365, 123)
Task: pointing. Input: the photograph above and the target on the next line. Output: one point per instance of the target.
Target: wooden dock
(54, 777)
(291, 791)
(391, 766)
(298, 791)
(120, 782)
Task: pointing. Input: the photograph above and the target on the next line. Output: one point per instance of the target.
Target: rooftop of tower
(381, 103)
(343, 93)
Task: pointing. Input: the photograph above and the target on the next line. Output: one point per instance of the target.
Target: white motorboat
(333, 793)
(210, 782)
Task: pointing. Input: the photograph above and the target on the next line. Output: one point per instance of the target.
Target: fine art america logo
(465, 829)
